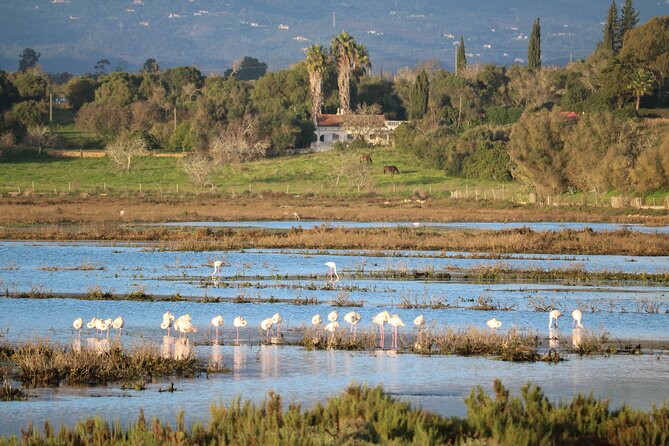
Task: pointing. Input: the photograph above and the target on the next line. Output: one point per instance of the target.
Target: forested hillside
(598, 124)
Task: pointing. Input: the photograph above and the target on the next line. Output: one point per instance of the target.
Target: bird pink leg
(278, 330)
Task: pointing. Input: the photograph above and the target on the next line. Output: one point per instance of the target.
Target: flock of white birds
(184, 324)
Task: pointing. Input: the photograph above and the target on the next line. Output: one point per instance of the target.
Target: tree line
(556, 128)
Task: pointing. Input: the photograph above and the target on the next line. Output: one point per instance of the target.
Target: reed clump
(425, 302)
(522, 240)
(9, 393)
(472, 341)
(42, 363)
(339, 340)
(363, 415)
(510, 346)
(593, 344)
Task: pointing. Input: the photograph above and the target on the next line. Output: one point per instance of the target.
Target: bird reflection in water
(216, 358)
(269, 361)
(553, 338)
(238, 358)
(76, 345)
(167, 346)
(576, 338)
(182, 349)
(98, 345)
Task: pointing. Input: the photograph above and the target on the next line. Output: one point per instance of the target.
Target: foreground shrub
(364, 415)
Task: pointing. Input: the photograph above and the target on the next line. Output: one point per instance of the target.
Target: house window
(349, 137)
(322, 138)
(335, 137)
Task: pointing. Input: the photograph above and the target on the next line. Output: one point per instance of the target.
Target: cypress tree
(629, 18)
(609, 41)
(419, 96)
(461, 62)
(534, 49)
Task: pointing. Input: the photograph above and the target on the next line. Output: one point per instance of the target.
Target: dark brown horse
(366, 159)
(391, 169)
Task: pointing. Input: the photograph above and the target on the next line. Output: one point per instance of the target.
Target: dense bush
(364, 415)
(499, 115)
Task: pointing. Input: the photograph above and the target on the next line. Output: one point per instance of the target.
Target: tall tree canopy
(247, 69)
(28, 59)
(534, 49)
(649, 44)
(349, 56)
(461, 59)
(610, 38)
(419, 96)
(629, 18)
(151, 66)
(317, 65)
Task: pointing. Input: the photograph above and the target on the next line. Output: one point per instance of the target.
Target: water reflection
(76, 345)
(553, 338)
(98, 345)
(576, 338)
(182, 349)
(269, 361)
(216, 357)
(167, 346)
(238, 359)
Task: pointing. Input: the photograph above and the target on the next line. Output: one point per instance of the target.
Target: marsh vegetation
(365, 415)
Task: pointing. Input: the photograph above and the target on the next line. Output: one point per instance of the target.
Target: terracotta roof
(330, 120)
(338, 120)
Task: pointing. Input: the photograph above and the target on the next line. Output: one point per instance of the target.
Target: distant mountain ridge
(72, 35)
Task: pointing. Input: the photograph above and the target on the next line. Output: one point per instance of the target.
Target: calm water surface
(491, 226)
(438, 383)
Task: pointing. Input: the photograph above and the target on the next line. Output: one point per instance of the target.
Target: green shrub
(499, 115)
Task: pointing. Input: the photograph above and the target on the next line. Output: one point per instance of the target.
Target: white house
(331, 129)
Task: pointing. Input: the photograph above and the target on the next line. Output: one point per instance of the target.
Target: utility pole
(175, 118)
(334, 20)
(50, 109)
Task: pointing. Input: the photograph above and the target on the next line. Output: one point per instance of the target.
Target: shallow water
(492, 226)
(438, 383)
(622, 310)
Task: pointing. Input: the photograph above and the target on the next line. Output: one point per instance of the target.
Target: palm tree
(349, 56)
(317, 65)
(641, 84)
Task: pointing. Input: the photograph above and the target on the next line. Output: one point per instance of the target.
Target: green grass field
(295, 174)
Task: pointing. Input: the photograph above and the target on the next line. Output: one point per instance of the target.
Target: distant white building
(331, 129)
